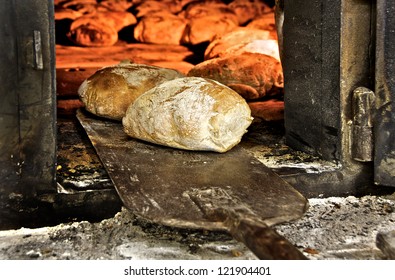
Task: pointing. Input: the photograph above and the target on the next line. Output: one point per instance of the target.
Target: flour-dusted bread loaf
(252, 75)
(109, 91)
(189, 113)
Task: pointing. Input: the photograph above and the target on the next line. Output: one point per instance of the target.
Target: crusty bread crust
(252, 75)
(189, 113)
(109, 91)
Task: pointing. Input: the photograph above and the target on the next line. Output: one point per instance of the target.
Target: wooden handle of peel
(264, 241)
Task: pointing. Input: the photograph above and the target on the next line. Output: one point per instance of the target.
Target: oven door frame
(384, 127)
(330, 50)
(28, 107)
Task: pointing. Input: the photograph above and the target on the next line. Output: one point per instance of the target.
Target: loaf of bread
(247, 10)
(84, 6)
(189, 113)
(148, 7)
(198, 9)
(264, 22)
(99, 29)
(206, 20)
(88, 32)
(109, 91)
(203, 29)
(160, 28)
(117, 5)
(252, 75)
(268, 110)
(240, 35)
(268, 47)
(64, 13)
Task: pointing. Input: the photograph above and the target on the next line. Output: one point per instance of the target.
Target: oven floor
(333, 228)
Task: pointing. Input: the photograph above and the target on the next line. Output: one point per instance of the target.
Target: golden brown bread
(117, 5)
(268, 47)
(160, 28)
(252, 75)
(247, 10)
(269, 110)
(83, 6)
(204, 29)
(207, 8)
(206, 20)
(264, 22)
(109, 91)
(99, 29)
(148, 7)
(189, 113)
(240, 35)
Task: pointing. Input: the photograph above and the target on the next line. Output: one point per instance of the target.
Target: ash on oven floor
(332, 228)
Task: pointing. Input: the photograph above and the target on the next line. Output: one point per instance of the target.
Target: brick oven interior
(86, 218)
(78, 167)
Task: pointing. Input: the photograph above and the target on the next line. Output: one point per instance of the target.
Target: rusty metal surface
(154, 181)
(328, 52)
(385, 95)
(157, 183)
(218, 204)
(362, 132)
(27, 107)
(311, 50)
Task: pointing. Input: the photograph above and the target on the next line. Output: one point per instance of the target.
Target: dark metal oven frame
(339, 90)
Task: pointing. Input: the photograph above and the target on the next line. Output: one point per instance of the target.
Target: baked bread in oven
(252, 75)
(247, 10)
(265, 22)
(160, 28)
(110, 91)
(207, 19)
(240, 35)
(204, 29)
(268, 47)
(99, 29)
(189, 113)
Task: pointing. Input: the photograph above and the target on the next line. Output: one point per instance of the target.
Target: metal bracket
(38, 54)
(362, 127)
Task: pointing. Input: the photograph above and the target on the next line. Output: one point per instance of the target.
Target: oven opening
(291, 75)
(179, 35)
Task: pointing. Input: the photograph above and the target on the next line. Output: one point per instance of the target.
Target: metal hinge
(362, 125)
(38, 53)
